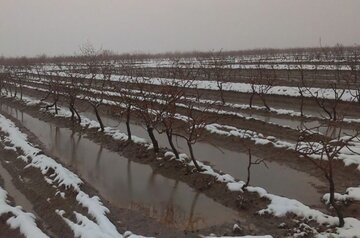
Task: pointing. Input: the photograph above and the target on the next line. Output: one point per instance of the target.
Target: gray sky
(32, 27)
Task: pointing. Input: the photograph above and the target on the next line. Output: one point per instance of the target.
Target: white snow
(98, 211)
(266, 236)
(352, 193)
(86, 228)
(279, 206)
(227, 86)
(20, 219)
(63, 177)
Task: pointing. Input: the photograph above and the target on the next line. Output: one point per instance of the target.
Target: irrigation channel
(128, 184)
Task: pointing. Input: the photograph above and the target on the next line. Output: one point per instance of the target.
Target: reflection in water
(310, 109)
(192, 221)
(19, 198)
(128, 184)
(299, 185)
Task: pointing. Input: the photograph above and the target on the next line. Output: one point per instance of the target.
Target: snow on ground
(351, 154)
(130, 93)
(278, 206)
(278, 62)
(227, 86)
(281, 206)
(221, 112)
(348, 156)
(258, 138)
(244, 87)
(266, 236)
(19, 219)
(61, 177)
(86, 228)
(352, 194)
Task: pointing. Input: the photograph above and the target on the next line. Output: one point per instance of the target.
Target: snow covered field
(279, 206)
(156, 109)
(61, 177)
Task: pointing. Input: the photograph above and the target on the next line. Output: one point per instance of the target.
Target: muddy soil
(30, 182)
(247, 205)
(277, 101)
(265, 128)
(126, 183)
(5, 230)
(345, 176)
(283, 127)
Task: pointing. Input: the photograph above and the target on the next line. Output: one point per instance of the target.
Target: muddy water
(128, 184)
(311, 111)
(19, 198)
(280, 105)
(295, 123)
(298, 185)
(313, 125)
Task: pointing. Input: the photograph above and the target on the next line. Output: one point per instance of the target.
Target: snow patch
(20, 219)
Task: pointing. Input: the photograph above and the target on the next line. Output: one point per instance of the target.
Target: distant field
(190, 144)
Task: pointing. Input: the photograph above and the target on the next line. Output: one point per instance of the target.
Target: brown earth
(246, 203)
(345, 176)
(31, 183)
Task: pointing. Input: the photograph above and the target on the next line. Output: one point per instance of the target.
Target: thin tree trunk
(72, 113)
(77, 114)
(10, 90)
(335, 114)
(150, 131)
(21, 92)
(248, 172)
(49, 106)
(334, 205)
(301, 103)
(98, 117)
(56, 107)
(251, 99)
(128, 111)
(332, 196)
(192, 157)
(170, 139)
(264, 102)
(321, 104)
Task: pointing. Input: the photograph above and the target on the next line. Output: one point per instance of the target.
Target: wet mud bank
(126, 183)
(45, 199)
(218, 152)
(247, 205)
(229, 154)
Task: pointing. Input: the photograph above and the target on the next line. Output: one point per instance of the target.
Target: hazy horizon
(30, 28)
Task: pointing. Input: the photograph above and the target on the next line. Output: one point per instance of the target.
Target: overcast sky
(58, 27)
